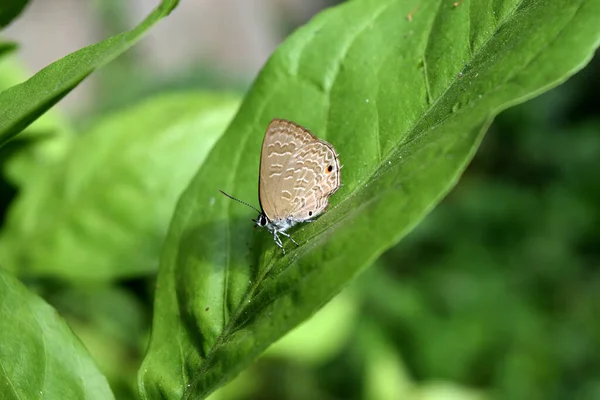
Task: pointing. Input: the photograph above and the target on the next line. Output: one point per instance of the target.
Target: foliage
(40, 356)
(494, 294)
(20, 105)
(9, 10)
(110, 211)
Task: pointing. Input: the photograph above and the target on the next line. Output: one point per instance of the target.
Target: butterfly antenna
(240, 201)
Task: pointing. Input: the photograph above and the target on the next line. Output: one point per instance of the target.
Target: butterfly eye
(261, 220)
(329, 168)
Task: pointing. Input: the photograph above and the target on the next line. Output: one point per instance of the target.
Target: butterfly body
(276, 228)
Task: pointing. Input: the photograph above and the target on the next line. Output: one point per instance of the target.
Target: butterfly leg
(278, 241)
(289, 237)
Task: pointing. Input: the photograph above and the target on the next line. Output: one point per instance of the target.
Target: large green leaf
(40, 357)
(22, 104)
(405, 101)
(103, 211)
(9, 10)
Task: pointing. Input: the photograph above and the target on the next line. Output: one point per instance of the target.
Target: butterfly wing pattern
(298, 174)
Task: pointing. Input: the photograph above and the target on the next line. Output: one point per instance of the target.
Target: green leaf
(39, 356)
(7, 48)
(103, 211)
(43, 142)
(405, 103)
(22, 104)
(113, 325)
(9, 10)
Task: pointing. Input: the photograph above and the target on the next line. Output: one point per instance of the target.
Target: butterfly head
(261, 220)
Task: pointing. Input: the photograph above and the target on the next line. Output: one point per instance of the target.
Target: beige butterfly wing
(298, 172)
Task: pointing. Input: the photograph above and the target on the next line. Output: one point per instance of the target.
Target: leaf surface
(40, 357)
(43, 142)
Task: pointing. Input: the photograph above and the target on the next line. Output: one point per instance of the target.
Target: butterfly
(298, 173)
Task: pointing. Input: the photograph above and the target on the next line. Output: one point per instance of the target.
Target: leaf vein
(424, 56)
(12, 385)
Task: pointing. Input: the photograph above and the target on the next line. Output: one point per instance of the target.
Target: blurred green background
(496, 294)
